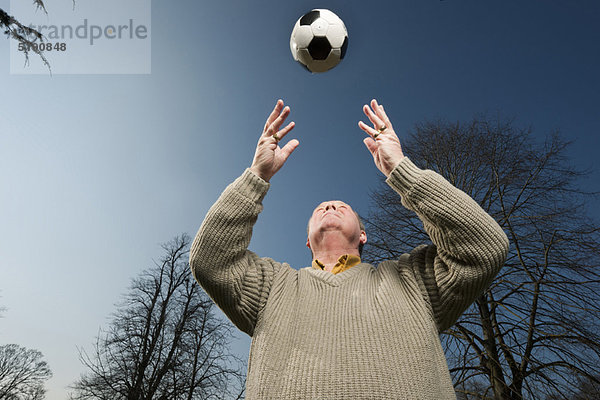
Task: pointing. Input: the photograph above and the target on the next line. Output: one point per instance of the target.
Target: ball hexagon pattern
(319, 40)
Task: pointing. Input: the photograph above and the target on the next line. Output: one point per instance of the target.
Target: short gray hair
(361, 224)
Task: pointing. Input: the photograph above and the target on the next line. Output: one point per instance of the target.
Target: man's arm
(469, 246)
(235, 278)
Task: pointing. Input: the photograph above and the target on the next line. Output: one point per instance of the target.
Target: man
(343, 329)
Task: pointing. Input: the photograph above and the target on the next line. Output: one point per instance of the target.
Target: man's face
(334, 215)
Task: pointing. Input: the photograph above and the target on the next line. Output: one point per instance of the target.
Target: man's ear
(308, 243)
(363, 237)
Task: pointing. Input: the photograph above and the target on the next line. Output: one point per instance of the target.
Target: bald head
(335, 215)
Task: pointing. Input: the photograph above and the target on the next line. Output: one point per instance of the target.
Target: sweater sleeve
(235, 278)
(469, 247)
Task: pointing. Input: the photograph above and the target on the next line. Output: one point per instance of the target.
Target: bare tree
(23, 373)
(23, 34)
(164, 341)
(588, 390)
(535, 332)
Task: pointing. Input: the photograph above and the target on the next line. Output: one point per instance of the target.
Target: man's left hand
(383, 143)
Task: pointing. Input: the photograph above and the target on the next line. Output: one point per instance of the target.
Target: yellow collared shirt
(345, 262)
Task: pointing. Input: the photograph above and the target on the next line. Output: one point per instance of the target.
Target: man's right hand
(269, 157)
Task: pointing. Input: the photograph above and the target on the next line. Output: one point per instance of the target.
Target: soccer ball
(319, 40)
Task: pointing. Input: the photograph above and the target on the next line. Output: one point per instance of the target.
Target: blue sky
(97, 170)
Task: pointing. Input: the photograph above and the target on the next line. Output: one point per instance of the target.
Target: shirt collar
(345, 262)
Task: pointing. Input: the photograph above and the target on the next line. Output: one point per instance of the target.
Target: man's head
(335, 219)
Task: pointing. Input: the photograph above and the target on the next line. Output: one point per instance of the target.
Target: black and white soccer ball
(319, 40)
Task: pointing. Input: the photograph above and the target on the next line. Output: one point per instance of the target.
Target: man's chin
(333, 225)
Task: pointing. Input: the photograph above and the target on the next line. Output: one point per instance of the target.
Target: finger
(274, 127)
(386, 119)
(375, 120)
(274, 114)
(289, 148)
(281, 134)
(381, 113)
(369, 130)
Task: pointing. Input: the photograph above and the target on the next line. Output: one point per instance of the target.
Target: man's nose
(330, 206)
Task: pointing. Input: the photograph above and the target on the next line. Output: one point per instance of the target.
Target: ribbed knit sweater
(365, 333)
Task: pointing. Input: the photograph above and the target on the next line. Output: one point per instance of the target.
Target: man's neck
(329, 247)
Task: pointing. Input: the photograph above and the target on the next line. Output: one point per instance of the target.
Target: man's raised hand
(269, 157)
(383, 143)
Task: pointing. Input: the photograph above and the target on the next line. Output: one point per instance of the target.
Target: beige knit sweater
(366, 333)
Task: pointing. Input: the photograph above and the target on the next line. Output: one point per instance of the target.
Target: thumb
(289, 148)
(371, 145)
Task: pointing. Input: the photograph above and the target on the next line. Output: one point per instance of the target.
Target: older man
(343, 329)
